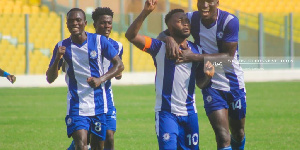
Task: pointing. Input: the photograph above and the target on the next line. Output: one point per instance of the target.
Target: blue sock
(72, 146)
(238, 145)
(225, 148)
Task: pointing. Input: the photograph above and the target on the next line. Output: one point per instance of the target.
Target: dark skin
(103, 26)
(179, 29)
(10, 78)
(76, 23)
(220, 121)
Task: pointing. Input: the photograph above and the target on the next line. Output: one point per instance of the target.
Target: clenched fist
(60, 52)
(209, 69)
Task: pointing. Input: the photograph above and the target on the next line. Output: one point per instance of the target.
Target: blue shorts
(177, 132)
(111, 120)
(234, 101)
(94, 124)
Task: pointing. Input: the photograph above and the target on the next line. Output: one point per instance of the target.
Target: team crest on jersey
(93, 54)
(220, 35)
(209, 98)
(166, 136)
(69, 121)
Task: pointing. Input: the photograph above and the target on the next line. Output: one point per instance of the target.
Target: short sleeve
(152, 46)
(231, 31)
(107, 49)
(54, 56)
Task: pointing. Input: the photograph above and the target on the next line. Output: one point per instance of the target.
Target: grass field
(33, 118)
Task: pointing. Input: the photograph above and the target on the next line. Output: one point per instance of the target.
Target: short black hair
(99, 11)
(169, 15)
(77, 9)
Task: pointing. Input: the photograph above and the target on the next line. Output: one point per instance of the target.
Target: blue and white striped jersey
(83, 61)
(107, 65)
(174, 83)
(210, 38)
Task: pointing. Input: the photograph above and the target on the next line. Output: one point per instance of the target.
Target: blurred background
(269, 31)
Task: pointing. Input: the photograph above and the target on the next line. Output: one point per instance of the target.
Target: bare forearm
(52, 72)
(162, 36)
(134, 28)
(203, 82)
(1, 72)
(114, 71)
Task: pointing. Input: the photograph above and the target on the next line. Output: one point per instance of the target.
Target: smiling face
(179, 25)
(208, 9)
(76, 22)
(103, 25)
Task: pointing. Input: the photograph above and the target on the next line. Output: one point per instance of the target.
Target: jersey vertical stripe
(211, 38)
(174, 83)
(83, 61)
(107, 65)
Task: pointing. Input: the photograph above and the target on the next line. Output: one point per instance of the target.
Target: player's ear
(85, 22)
(217, 3)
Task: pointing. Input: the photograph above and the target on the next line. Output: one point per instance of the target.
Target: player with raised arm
(216, 31)
(10, 78)
(103, 17)
(83, 53)
(176, 119)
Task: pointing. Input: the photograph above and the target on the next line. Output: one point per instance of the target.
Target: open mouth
(205, 13)
(186, 30)
(74, 29)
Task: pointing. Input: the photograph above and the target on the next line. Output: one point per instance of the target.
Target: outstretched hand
(11, 78)
(94, 82)
(150, 5)
(209, 69)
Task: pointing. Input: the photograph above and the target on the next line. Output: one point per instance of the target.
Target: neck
(79, 39)
(179, 40)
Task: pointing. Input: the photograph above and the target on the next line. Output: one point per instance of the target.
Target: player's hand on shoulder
(172, 48)
(209, 69)
(11, 78)
(94, 82)
(150, 5)
(185, 54)
(60, 52)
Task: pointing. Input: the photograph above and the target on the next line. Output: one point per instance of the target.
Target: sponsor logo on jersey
(93, 54)
(166, 136)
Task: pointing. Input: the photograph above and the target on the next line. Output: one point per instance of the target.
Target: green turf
(33, 118)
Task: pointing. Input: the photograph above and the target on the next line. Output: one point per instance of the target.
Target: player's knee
(238, 135)
(80, 144)
(223, 138)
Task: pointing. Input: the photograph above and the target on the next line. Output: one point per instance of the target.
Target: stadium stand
(45, 30)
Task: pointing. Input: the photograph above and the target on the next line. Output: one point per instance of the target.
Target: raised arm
(132, 32)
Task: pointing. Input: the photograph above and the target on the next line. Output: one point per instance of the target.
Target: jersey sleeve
(152, 46)
(107, 49)
(54, 56)
(231, 31)
(120, 49)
